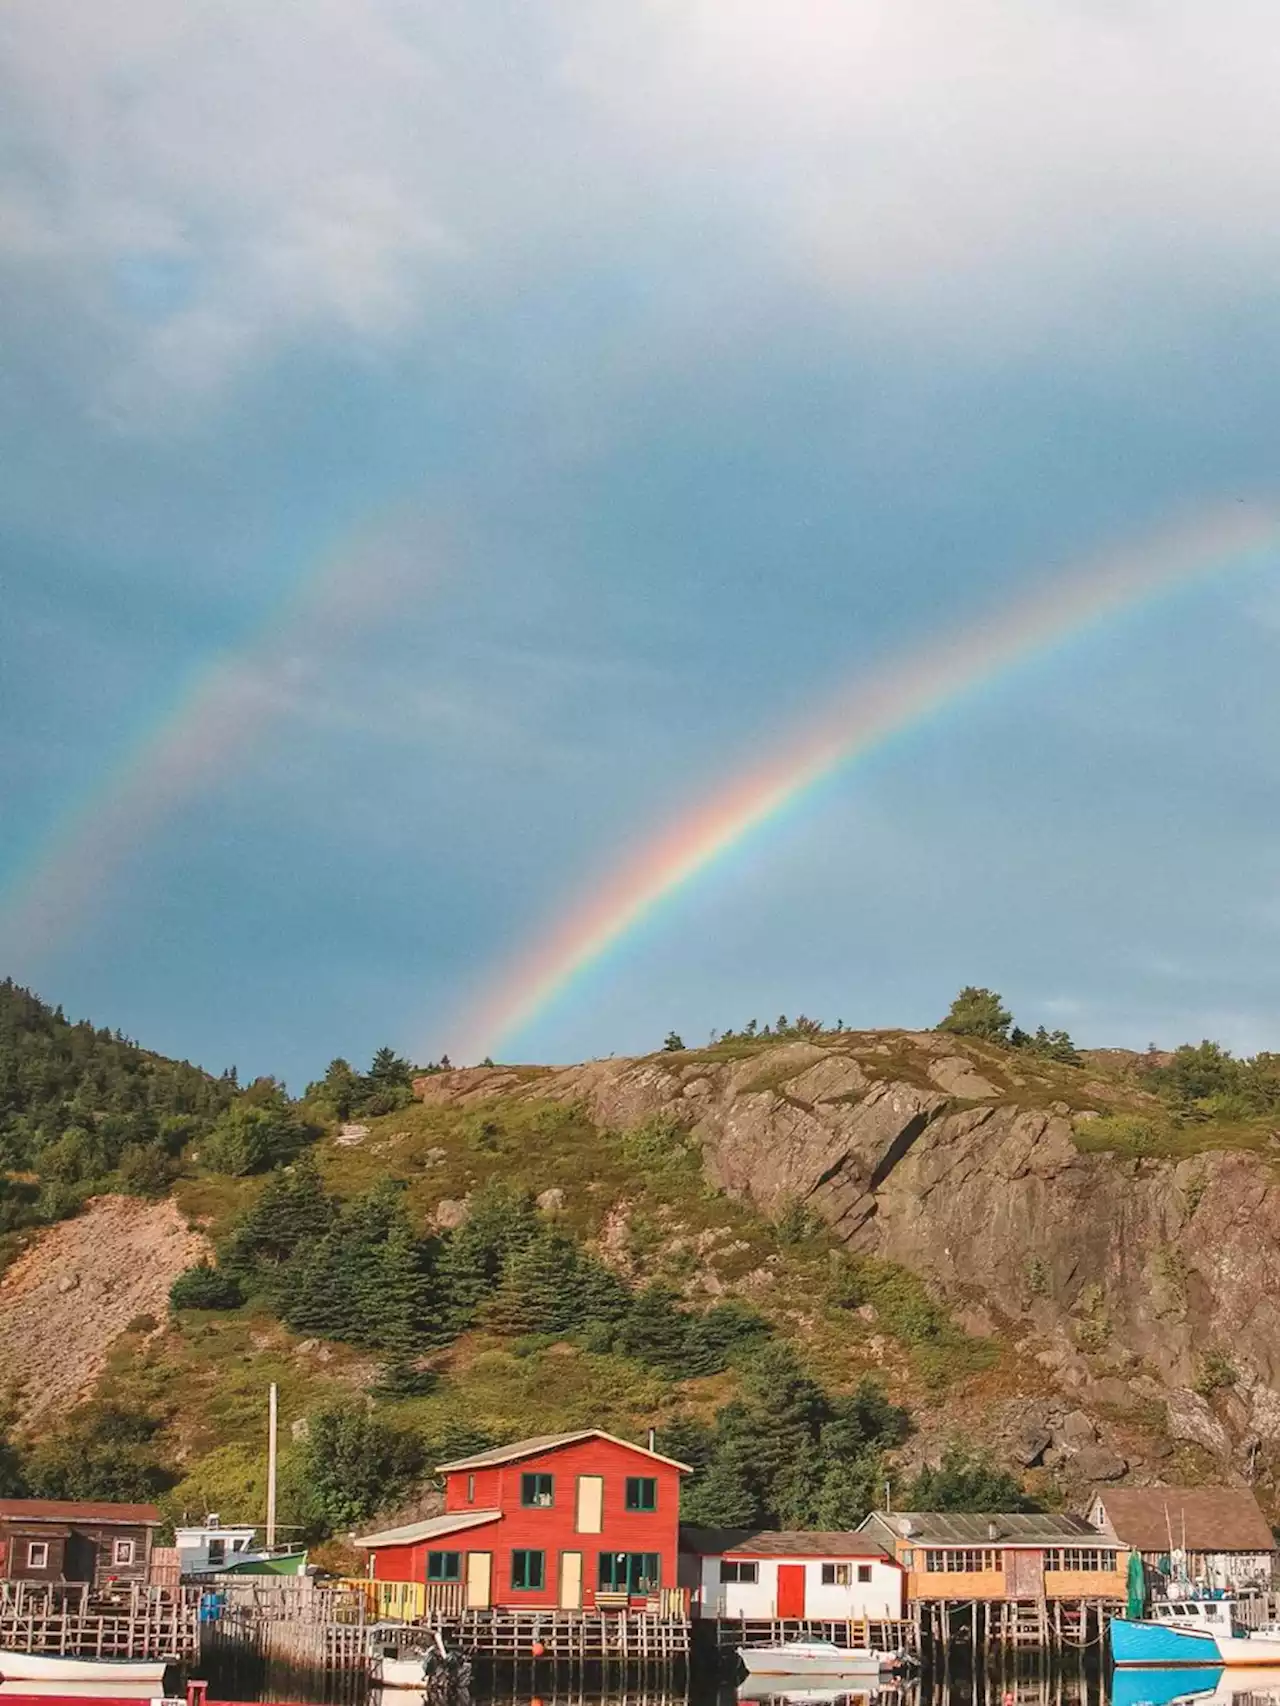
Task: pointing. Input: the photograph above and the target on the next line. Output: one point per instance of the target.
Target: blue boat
(1192, 1631)
(1164, 1686)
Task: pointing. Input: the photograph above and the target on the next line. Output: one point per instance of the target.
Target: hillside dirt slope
(77, 1287)
(1136, 1283)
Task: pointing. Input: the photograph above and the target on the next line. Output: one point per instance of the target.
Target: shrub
(205, 1287)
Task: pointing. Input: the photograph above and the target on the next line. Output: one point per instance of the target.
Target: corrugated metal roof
(70, 1510)
(433, 1528)
(549, 1442)
(779, 1543)
(1216, 1519)
(973, 1528)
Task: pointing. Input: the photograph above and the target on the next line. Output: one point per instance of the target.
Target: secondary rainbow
(859, 718)
(212, 723)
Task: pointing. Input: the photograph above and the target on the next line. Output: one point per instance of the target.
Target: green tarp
(1137, 1587)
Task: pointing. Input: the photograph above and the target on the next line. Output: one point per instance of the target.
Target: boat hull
(787, 1662)
(53, 1667)
(398, 1673)
(1143, 1643)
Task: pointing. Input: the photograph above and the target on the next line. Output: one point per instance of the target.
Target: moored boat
(57, 1667)
(815, 1658)
(1194, 1630)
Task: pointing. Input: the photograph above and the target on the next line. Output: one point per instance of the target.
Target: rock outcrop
(961, 1163)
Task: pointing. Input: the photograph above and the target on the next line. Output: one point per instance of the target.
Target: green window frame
(629, 1572)
(444, 1566)
(642, 1493)
(528, 1570)
(537, 1492)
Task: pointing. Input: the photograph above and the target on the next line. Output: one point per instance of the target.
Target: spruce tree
(656, 1330)
(472, 1258)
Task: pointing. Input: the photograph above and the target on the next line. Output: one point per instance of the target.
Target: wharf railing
(73, 1619)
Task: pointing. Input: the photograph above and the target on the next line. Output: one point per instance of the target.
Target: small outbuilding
(777, 1573)
(1216, 1535)
(57, 1540)
(1000, 1555)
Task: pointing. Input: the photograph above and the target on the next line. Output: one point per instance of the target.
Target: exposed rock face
(1151, 1262)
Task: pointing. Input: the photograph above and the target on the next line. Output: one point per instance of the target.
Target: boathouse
(1000, 1555)
(574, 1520)
(770, 1574)
(1219, 1534)
(56, 1540)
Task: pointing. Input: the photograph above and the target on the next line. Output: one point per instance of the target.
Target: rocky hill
(1142, 1286)
(1035, 1257)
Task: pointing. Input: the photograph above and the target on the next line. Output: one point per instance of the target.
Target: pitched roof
(780, 1543)
(550, 1442)
(71, 1510)
(973, 1528)
(1216, 1519)
(432, 1528)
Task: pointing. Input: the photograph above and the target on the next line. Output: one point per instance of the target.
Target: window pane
(444, 1566)
(536, 1489)
(527, 1569)
(642, 1493)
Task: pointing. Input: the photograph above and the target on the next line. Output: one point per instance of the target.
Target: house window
(835, 1575)
(739, 1570)
(1086, 1558)
(537, 1490)
(444, 1566)
(37, 1554)
(642, 1493)
(122, 1552)
(629, 1572)
(864, 1572)
(528, 1570)
(963, 1560)
(471, 1489)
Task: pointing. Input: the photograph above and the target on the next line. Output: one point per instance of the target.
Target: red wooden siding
(552, 1529)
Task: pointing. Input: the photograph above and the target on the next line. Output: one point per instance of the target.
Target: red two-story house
(569, 1520)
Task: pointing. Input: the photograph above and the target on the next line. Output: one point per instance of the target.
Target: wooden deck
(883, 1633)
(134, 1622)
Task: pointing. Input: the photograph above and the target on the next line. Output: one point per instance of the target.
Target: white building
(769, 1573)
(209, 1547)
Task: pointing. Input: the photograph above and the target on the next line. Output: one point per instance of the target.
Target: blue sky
(522, 412)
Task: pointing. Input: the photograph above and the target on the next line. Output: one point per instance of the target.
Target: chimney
(653, 1439)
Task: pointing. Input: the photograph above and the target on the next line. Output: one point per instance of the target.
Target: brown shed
(62, 1540)
(1226, 1539)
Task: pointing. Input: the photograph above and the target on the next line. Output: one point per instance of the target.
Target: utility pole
(271, 1468)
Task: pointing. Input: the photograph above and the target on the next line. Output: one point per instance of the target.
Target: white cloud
(333, 168)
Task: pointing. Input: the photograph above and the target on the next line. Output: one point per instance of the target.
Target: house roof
(69, 1510)
(551, 1442)
(1216, 1519)
(781, 1543)
(433, 1528)
(965, 1528)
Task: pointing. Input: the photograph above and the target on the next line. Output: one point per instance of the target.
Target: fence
(137, 1622)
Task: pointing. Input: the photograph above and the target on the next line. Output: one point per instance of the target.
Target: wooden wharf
(130, 1622)
(1013, 1625)
(885, 1634)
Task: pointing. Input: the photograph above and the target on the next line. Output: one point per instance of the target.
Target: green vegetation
(82, 1108)
(967, 1481)
(785, 1453)
(205, 1287)
(343, 1093)
(981, 1013)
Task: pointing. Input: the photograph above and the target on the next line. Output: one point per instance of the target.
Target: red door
(790, 1590)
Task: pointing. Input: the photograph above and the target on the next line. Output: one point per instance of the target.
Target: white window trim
(34, 1547)
(123, 1552)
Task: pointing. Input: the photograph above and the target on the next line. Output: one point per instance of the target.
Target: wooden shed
(57, 1540)
(1001, 1555)
(1219, 1534)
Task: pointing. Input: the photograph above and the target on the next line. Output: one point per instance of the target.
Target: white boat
(815, 1658)
(400, 1670)
(53, 1667)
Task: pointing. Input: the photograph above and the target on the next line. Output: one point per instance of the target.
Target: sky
(441, 444)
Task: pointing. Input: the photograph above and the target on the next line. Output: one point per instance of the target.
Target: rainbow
(858, 719)
(222, 707)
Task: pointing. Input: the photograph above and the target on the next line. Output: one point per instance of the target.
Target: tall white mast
(271, 1468)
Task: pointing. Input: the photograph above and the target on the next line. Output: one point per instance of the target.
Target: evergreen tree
(472, 1257)
(655, 1330)
(968, 1481)
(978, 1013)
(355, 1464)
(723, 1335)
(538, 1292)
(294, 1212)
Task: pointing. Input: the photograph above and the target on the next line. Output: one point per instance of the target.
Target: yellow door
(479, 1580)
(571, 1581)
(590, 1504)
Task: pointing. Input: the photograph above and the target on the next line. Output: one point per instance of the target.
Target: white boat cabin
(208, 1547)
